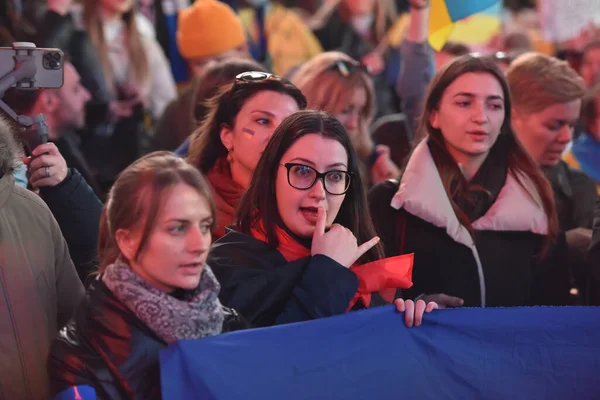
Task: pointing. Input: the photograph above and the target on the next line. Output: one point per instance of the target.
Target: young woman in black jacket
(471, 204)
(154, 286)
(304, 246)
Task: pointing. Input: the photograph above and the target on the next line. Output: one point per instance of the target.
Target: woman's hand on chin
(413, 312)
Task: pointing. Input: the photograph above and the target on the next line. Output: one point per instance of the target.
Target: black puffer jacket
(497, 266)
(106, 346)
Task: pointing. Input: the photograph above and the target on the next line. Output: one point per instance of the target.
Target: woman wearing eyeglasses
(304, 246)
(239, 122)
(336, 83)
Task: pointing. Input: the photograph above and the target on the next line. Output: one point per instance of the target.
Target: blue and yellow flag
(445, 13)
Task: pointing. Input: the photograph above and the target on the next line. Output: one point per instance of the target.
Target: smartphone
(49, 64)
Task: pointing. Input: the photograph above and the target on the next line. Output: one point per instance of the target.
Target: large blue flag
(517, 353)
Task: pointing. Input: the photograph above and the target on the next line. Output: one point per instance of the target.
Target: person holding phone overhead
(472, 205)
(304, 246)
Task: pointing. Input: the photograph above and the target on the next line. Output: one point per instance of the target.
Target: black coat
(106, 346)
(77, 210)
(575, 194)
(508, 272)
(594, 259)
(260, 284)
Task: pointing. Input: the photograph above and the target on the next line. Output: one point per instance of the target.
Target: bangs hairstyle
(222, 109)
(519, 162)
(538, 81)
(327, 89)
(137, 197)
(259, 203)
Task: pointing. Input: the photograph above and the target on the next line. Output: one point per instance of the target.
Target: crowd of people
(299, 166)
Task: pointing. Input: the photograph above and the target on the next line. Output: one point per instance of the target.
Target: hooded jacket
(39, 287)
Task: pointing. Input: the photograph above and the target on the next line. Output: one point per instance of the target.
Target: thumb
(363, 248)
(321, 221)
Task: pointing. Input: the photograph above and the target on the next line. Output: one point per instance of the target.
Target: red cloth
(383, 276)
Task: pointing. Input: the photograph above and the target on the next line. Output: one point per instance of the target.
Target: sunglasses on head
(255, 76)
(345, 68)
(498, 56)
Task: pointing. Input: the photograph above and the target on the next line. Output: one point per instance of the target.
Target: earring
(229, 157)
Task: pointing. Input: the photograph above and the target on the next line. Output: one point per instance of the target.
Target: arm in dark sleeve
(69, 290)
(594, 258)
(551, 280)
(68, 363)
(77, 210)
(584, 199)
(416, 70)
(306, 289)
(325, 289)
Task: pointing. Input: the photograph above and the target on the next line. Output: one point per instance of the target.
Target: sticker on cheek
(248, 131)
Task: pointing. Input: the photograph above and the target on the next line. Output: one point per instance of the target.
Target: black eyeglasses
(303, 177)
(345, 68)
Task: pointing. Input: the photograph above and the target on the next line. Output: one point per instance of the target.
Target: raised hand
(383, 168)
(339, 243)
(48, 168)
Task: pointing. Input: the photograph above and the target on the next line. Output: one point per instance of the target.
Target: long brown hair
(135, 47)
(222, 109)
(259, 203)
(519, 161)
(137, 196)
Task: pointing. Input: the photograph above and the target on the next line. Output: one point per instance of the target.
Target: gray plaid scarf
(200, 315)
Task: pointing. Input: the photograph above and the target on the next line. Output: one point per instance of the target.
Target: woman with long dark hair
(239, 122)
(304, 246)
(471, 205)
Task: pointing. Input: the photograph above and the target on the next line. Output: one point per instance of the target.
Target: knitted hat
(208, 28)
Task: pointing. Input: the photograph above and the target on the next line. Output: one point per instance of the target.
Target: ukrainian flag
(445, 13)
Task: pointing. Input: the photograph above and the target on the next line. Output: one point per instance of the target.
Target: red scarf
(383, 276)
(227, 195)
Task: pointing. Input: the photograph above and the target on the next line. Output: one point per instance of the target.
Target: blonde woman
(133, 62)
(338, 84)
